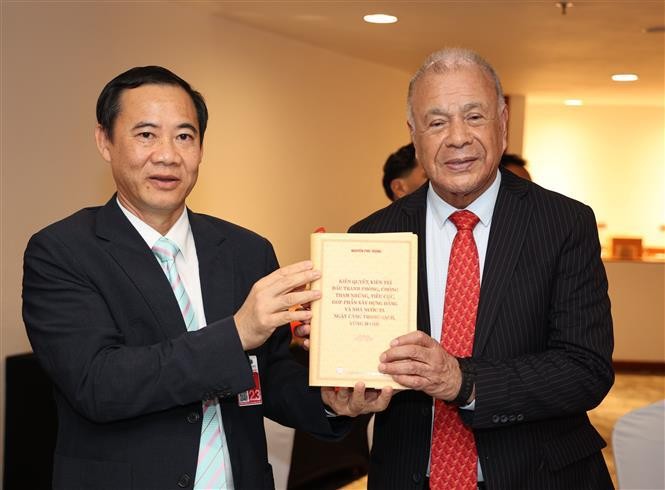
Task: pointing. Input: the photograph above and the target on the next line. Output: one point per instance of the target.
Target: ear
(103, 143)
(398, 187)
(504, 123)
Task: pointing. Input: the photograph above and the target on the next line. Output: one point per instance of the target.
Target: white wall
(297, 135)
(610, 157)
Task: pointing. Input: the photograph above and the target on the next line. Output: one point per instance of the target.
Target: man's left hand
(344, 401)
(419, 362)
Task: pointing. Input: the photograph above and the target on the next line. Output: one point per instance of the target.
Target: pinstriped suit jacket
(542, 348)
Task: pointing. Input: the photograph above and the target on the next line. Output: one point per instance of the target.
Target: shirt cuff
(330, 414)
(470, 406)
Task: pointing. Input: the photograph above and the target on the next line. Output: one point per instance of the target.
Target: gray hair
(449, 59)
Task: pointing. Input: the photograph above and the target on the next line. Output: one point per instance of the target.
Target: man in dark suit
(116, 299)
(541, 332)
(402, 174)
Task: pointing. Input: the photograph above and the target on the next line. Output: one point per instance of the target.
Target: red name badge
(253, 395)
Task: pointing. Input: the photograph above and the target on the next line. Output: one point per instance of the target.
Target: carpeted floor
(630, 391)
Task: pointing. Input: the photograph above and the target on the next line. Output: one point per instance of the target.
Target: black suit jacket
(103, 321)
(542, 348)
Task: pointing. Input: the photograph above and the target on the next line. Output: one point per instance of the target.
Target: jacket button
(520, 417)
(504, 419)
(416, 477)
(184, 481)
(495, 419)
(193, 417)
(511, 418)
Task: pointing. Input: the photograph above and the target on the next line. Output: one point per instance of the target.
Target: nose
(167, 152)
(458, 133)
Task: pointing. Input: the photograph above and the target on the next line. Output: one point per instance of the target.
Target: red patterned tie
(454, 460)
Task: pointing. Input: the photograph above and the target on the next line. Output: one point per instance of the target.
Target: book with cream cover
(368, 290)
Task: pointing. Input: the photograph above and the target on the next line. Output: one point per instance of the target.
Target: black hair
(108, 103)
(512, 159)
(399, 164)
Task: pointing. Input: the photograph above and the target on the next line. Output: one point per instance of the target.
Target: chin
(166, 206)
(459, 184)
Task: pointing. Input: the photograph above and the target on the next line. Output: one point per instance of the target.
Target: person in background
(514, 341)
(402, 174)
(516, 164)
(161, 328)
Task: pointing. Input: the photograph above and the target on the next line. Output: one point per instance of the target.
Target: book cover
(368, 290)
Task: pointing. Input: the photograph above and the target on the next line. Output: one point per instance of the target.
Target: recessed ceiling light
(624, 77)
(380, 19)
(563, 6)
(575, 102)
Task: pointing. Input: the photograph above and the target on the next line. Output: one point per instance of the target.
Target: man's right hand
(267, 305)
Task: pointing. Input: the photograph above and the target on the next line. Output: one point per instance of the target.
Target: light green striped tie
(210, 469)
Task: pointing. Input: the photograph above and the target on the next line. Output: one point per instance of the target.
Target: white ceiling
(537, 51)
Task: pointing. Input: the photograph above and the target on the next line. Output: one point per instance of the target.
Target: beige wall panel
(296, 139)
(637, 291)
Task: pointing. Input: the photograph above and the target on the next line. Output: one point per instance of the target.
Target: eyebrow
(435, 111)
(147, 124)
(144, 124)
(188, 126)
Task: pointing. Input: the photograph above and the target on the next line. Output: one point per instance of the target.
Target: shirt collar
(177, 234)
(483, 206)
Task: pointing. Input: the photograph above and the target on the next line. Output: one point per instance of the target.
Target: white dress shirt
(187, 264)
(439, 233)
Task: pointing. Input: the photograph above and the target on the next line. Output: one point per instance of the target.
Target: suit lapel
(135, 258)
(414, 212)
(216, 268)
(510, 222)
